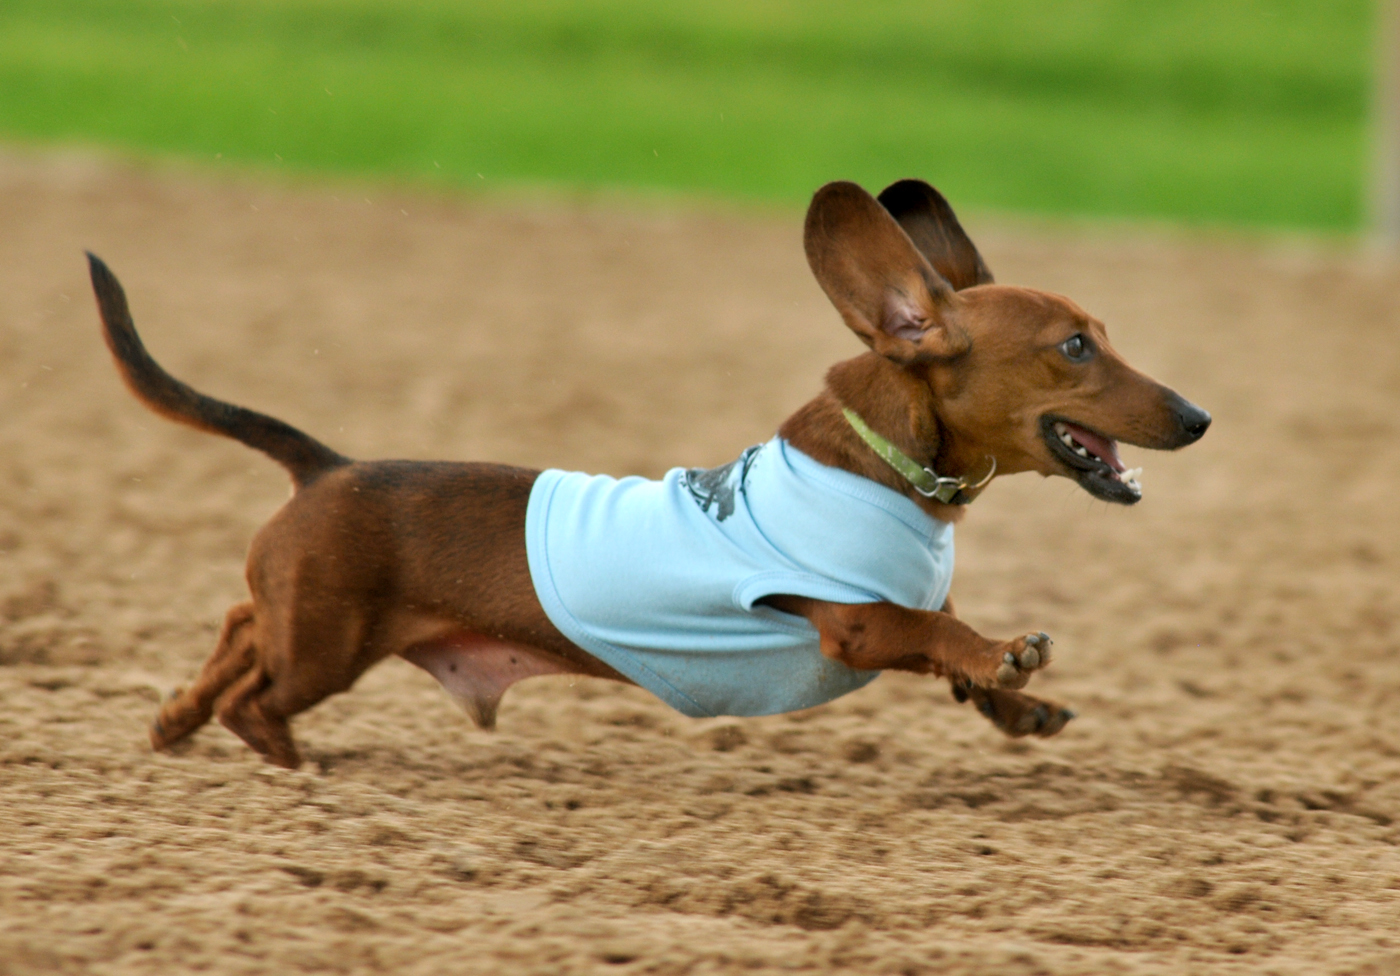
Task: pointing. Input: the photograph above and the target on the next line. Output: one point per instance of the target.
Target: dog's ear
(883, 287)
(924, 214)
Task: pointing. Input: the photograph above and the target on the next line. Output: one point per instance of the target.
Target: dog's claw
(1052, 724)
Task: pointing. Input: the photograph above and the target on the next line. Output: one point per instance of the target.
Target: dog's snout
(1192, 420)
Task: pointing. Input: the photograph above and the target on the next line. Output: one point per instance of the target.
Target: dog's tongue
(1106, 450)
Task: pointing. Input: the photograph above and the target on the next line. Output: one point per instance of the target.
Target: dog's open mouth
(1093, 461)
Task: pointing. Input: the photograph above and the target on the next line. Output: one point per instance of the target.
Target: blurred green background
(1238, 112)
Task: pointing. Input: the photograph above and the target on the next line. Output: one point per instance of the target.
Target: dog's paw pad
(1008, 672)
(1025, 654)
(1037, 652)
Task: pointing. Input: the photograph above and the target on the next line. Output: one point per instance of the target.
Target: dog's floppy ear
(924, 214)
(883, 287)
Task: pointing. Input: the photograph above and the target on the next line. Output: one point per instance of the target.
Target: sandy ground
(1227, 801)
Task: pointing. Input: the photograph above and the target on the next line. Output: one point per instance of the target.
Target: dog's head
(1019, 375)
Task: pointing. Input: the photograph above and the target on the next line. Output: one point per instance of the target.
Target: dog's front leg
(1015, 713)
(881, 636)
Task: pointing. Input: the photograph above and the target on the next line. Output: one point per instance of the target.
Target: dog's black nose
(1193, 421)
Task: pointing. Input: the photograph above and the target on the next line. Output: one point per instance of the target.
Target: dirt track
(1227, 801)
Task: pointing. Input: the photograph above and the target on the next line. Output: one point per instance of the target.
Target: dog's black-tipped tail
(304, 457)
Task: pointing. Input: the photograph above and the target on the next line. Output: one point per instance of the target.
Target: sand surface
(1227, 801)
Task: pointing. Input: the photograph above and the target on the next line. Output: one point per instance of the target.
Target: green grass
(1219, 111)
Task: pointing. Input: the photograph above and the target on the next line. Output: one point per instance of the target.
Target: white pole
(1386, 193)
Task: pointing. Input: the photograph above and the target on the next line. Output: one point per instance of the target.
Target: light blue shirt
(660, 579)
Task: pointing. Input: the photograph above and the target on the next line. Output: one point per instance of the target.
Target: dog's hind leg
(313, 653)
(243, 714)
(187, 709)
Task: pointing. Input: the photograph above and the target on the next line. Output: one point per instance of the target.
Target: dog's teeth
(1067, 440)
(1130, 478)
(1081, 452)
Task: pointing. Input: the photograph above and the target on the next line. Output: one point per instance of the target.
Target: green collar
(926, 481)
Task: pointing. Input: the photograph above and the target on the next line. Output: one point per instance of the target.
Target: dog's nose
(1193, 421)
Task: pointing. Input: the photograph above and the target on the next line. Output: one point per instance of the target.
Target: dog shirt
(661, 579)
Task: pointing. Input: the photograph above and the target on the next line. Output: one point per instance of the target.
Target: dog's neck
(892, 401)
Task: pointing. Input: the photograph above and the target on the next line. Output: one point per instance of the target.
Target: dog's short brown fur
(427, 559)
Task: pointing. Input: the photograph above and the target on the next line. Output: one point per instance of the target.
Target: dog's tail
(304, 457)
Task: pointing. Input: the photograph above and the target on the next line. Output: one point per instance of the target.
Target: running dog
(780, 581)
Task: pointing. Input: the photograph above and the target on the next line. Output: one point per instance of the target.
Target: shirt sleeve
(810, 585)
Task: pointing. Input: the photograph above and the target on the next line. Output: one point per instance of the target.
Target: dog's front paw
(1016, 714)
(1021, 656)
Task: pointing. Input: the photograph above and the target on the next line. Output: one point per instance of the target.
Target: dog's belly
(476, 670)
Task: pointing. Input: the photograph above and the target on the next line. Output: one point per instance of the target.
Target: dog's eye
(1076, 348)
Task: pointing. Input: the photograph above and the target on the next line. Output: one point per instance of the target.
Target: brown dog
(428, 559)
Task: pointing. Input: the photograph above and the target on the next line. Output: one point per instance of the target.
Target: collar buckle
(943, 490)
(952, 491)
